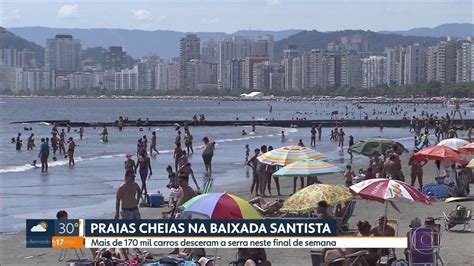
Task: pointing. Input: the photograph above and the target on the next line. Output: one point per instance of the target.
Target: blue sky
(229, 16)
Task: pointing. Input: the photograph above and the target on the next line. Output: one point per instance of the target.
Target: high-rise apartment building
(413, 65)
(373, 71)
(351, 69)
(296, 74)
(264, 47)
(189, 49)
(288, 55)
(312, 69)
(210, 52)
(463, 62)
(63, 53)
(236, 75)
(231, 48)
(393, 69)
(114, 58)
(249, 67)
(167, 75)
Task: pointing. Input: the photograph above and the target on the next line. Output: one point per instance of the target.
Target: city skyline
(221, 16)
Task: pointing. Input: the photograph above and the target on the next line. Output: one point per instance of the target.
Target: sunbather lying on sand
(266, 208)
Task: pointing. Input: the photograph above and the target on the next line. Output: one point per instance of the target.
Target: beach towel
(207, 185)
(436, 190)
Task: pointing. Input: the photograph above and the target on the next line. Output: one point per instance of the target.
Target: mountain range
(459, 30)
(166, 43)
(136, 42)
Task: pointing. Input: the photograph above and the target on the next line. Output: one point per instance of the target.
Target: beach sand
(456, 245)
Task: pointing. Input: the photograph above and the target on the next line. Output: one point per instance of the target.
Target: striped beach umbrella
(306, 200)
(289, 154)
(467, 149)
(453, 143)
(383, 190)
(308, 168)
(220, 206)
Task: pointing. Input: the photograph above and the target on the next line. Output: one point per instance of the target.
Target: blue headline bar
(177, 228)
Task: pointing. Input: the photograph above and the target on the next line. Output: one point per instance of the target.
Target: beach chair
(460, 216)
(356, 258)
(271, 211)
(384, 259)
(79, 254)
(207, 185)
(437, 243)
(462, 183)
(421, 250)
(343, 222)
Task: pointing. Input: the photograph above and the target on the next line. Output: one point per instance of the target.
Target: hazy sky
(229, 16)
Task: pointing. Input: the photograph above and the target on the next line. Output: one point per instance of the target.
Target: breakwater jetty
(276, 123)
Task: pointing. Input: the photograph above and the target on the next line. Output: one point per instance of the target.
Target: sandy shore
(456, 246)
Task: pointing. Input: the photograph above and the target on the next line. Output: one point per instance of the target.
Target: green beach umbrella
(369, 146)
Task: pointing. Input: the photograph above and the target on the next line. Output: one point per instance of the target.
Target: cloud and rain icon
(39, 228)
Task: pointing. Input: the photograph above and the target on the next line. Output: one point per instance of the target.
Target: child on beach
(349, 174)
(247, 153)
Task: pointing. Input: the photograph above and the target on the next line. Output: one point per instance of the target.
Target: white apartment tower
(231, 48)
(413, 62)
(373, 71)
(288, 55)
(463, 62)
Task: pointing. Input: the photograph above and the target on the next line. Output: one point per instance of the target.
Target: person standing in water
(188, 141)
(18, 142)
(247, 153)
(81, 132)
(129, 163)
(70, 151)
(62, 147)
(54, 142)
(144, 169)
(320, 131)
(31, 142)
(351, 142)
(253, 163)
(104, 135)
(207, 154)
(43, 155)
(153, 144)
(313, 136)
(340, 137)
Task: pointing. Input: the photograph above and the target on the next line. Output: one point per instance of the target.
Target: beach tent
(254, 94)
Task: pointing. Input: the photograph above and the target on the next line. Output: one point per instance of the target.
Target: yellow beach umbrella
(306, 200)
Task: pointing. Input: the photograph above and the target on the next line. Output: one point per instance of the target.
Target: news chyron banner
(268, 233)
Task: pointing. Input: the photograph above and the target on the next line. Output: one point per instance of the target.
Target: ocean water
(88, 189)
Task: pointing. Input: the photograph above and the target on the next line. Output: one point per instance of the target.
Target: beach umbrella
(289, 154)
(308, 168)
(441, 153)
(220, 206)
(306, 200)
(471, 164)
(453, 143)
(388, 190)
(467, 149)
(369, 146)
(383, 190)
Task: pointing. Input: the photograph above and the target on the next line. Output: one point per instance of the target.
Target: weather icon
(39, 228)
